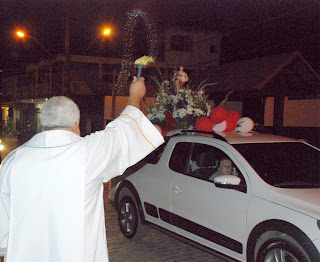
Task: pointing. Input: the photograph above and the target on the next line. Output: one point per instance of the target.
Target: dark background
(249, 28)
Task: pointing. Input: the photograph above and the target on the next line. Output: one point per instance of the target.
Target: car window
(179, 158)
(155, 155)
(204, 160)
(288, 165)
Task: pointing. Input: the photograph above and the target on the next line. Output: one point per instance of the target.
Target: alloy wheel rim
(127, 217)
(280, 255)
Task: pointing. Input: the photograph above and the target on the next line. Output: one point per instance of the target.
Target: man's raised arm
(136, 92)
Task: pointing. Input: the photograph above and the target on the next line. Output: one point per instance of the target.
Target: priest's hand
(137, 91)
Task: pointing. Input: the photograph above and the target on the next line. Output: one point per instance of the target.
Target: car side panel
(153, 185)
(218, 215)
(263, 210)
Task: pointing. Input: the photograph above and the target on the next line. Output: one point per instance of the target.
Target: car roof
(254, 137)
(237, 137)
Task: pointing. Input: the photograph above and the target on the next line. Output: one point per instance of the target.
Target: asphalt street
(155, 247)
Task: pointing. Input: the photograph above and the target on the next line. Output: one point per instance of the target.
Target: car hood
(306, 201)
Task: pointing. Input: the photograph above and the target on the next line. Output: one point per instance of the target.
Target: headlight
(1, 147)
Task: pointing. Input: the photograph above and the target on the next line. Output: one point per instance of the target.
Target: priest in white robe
(51, 188)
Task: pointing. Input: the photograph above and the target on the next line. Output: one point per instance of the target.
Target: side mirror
(230, 182)
(227, 180)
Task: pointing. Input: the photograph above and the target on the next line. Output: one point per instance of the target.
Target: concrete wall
(297, 113)
(121, 103)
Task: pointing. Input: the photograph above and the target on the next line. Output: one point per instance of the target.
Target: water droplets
(135, 35)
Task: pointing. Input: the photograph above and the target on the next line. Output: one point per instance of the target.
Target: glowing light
(20, 34)
(106, 31)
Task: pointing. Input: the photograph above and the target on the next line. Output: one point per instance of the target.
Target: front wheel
(282, 249)
(129, 220)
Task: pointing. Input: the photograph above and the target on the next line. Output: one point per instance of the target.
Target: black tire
(129, 220)
(282, 249)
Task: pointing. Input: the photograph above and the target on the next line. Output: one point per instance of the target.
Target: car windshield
(286, 165)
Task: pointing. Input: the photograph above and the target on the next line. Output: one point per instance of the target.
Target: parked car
(267, 210)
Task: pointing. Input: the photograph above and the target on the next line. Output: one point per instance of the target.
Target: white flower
(180, 113)
(185, 105)
(190, 110)
(157, 113)
(174, 99)
(191, 103)
(198, 112)
(166, 83)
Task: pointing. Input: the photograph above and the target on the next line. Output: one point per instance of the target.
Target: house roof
(287, 72)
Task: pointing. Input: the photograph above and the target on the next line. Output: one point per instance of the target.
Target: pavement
(155, 247)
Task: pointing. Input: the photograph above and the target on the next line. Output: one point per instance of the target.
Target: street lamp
(21, 34)
(105, 32)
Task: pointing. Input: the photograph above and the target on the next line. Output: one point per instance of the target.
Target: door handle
(177, 189)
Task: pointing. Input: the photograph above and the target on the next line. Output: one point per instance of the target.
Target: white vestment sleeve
(5, 201)
(124, 142)
(138, 137)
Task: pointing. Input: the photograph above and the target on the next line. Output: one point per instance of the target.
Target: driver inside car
(225, 167)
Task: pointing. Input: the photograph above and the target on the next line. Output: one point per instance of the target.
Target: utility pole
(114, 95)
(66, 79)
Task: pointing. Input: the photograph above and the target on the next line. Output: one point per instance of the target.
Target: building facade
(88, 79)
(261, 87)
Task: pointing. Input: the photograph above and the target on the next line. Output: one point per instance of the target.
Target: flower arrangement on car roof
(179, 106)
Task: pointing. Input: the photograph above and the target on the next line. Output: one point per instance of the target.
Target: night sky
(249, 28)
